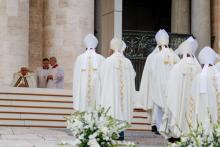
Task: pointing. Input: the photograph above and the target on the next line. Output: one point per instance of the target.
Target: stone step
(36, 103)
(46, 108)
(140, 127)
(21, 115)
(31, 116)
(11, 108)
(140, 120)
(141, 114)
(32, 123)
(37, 97)
(36, 117)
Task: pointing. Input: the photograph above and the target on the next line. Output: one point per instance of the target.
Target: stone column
(180, 16)
(215, 21)
(66, 22)
(201, 22)
(35, 33)
(111, 20)
(98, 24)
(14, 28)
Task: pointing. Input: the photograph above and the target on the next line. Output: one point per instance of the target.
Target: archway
(146, 15)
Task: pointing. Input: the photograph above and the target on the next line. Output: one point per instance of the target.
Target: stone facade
(66, 22)
(33, 29)
(14, 37)
(111, 22)
(215, 13)
(35, 33)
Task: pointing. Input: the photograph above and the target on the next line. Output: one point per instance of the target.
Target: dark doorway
(147, 15)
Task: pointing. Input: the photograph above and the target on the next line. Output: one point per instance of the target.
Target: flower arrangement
(95, 129)
(200, 136)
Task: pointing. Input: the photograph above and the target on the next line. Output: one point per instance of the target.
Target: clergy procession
(177, 89)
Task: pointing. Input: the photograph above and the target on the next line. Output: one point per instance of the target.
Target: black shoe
(121, 136)
(177, 139)
(157, 133)
(154, 128)
(170, 140)
(173, 140)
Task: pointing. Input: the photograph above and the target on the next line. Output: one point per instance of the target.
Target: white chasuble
(118, 86)
(205, 93)
(24, 81)
(179, 103)
(86, 83)
(163, 63)
(145, 93)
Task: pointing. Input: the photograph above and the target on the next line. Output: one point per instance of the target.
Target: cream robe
(28, 80)
(145, 93)
(86, 83)
(179, 104)
(163, 63)
(58, 78)
(206, 96)
(118, 86)
(42, 77)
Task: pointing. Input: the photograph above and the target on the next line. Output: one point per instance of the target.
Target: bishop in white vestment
(86, 83)
(146, 82)
(179, 103)
(163, 62)
(162, 39)
(117, 83)
(24, 78)
(206, 89)
(146, 88)
(55, 78)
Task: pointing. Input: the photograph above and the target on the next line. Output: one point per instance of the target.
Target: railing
(140, 44)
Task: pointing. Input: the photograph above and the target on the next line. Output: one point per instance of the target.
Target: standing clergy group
(178, 90)
(109, 82)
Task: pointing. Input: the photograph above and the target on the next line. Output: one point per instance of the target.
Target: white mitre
(208, 56)
(116, 44)
(90, 41)
(124, 46)
(162, 37)
(189, 46)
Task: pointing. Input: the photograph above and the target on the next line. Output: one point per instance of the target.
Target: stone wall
(14, 37)
(66, 22)
(35, 33)
(215, 24)
(33, 29)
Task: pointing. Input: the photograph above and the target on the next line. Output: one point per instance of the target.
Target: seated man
(24, 78)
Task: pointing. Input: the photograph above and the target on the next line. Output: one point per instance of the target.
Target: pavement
(46, 137)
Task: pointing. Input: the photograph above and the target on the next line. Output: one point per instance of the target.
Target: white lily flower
(93, 143)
